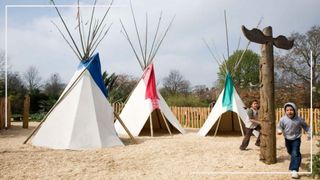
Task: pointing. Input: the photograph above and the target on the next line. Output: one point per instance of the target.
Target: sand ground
(166, 157)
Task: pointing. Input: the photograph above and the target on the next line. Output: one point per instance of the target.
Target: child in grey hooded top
(290, 125)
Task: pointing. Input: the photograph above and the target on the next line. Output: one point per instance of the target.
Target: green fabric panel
(228, 93)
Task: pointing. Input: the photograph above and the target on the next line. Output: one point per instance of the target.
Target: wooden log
(267, 109)
(26, 109)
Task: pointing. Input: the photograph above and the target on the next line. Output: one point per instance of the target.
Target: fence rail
(194, 117)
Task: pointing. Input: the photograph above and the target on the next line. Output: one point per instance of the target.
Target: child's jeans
(293, 148)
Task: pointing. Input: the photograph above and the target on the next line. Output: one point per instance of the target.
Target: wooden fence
(194, 117)
(189, 117)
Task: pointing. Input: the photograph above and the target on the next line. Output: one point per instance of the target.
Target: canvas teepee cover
(228, 103)
(144, 101)
(83, 118)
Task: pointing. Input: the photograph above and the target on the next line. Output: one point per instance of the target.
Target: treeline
(43, 94)
(292, 80)
(176, 89)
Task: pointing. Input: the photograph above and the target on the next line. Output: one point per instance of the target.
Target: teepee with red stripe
(146, 112)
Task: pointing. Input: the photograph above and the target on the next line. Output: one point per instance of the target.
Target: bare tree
(54, 86)
(297, 63)
(32, 78)
(293, 68)
(175, 83)
(122, 87)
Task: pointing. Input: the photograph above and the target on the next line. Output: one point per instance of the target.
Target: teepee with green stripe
(228, 114)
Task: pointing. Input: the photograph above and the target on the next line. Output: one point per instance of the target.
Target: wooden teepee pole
(215, 133)
(151, 126)
(165, 121)
(240, 126)
(124, 127)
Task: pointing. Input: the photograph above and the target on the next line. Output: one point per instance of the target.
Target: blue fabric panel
(94, 67)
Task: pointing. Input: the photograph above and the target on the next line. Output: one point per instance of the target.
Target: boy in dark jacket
(290, 126)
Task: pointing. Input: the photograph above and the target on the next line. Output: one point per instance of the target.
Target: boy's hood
(294, 107)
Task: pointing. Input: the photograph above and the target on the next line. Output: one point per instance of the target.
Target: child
(290, 125)
(255, 125)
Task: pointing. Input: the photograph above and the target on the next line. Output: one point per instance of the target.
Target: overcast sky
(33, 39)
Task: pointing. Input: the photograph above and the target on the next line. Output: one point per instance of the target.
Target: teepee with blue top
(82, 117)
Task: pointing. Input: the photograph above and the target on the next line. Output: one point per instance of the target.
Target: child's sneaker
(294, 174)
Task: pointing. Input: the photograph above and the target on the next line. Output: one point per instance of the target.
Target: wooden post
(2, 109)
(26, 108)
(267, 110)
(9, 114)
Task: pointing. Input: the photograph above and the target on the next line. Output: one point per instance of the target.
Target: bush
(186, 101)
(316, 163)
(316, 166)
(37, 116)
(17, 117)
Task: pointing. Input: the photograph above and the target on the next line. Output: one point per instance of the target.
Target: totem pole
(266, 78)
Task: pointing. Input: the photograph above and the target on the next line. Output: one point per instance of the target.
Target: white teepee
(83, 117)
(145, 108)
(228, 113)
(145, 102)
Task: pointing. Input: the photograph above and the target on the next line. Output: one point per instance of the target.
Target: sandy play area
(178, 157)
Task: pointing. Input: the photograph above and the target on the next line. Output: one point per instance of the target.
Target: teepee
(228, 114)
(82, 118)
(146, 110)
